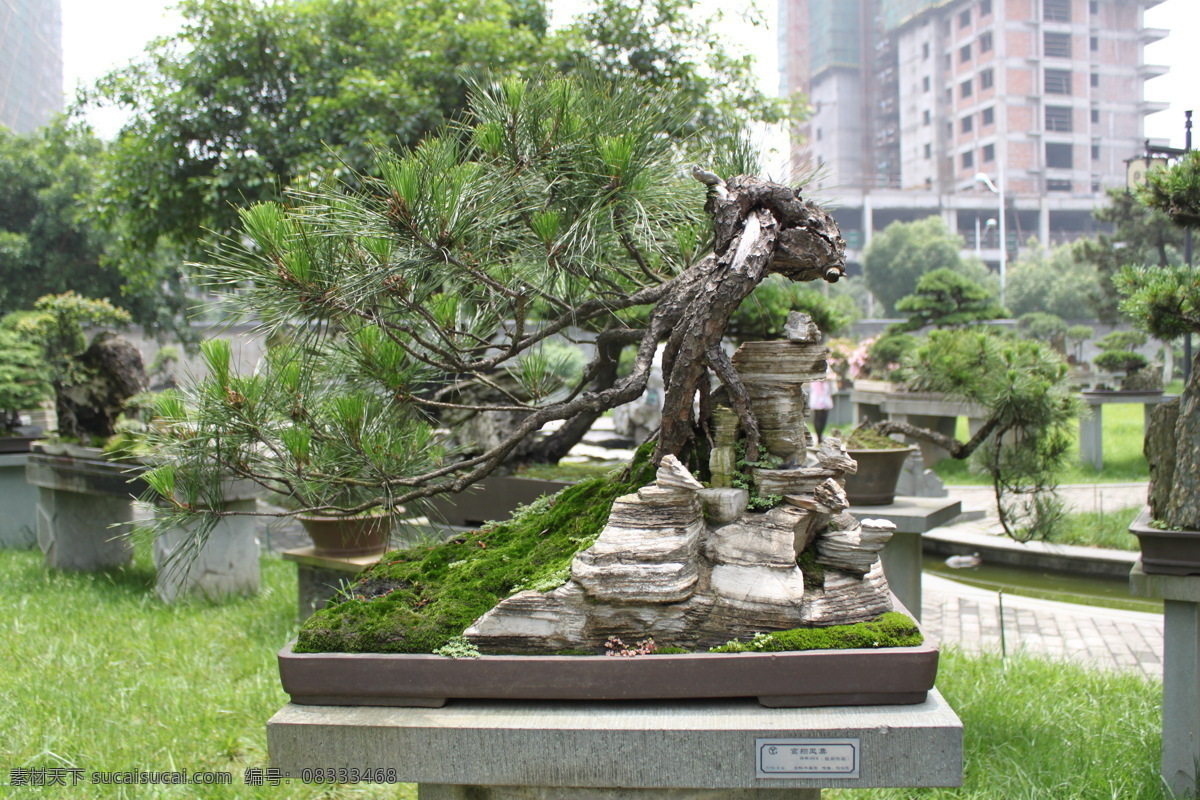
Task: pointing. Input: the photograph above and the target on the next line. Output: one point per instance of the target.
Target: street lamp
(979, 234)
(982, 177)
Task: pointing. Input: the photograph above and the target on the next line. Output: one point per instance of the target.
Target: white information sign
(807, 758)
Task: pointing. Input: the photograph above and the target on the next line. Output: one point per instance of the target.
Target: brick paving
(970, 618)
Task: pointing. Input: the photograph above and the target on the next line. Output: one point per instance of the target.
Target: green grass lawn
(100, 676)
(1123, 459)
(1035, 729)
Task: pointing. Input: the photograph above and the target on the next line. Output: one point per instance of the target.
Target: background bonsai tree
(1044, 327)
(1076, 336)
(1031, 405)
(1118, 353)
(556, 205)
(24, 375)
(1165, 302)
(946, 299)
(763, 314)
(91, 377)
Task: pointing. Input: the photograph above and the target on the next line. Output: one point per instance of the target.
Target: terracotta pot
(878, 473)
(1166, 552)
(349, 536)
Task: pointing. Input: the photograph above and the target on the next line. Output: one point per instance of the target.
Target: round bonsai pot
(878, 473)
(348, 536)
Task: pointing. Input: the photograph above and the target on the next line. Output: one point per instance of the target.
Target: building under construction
(944, 107)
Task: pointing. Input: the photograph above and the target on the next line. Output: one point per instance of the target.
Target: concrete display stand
(84, 508)
(1181, 674)
(18, 524)
(321, 577)
(913, 517)
(933, 411)
(1091, 426)
(227, 563)
(605, 751)
(80, 500)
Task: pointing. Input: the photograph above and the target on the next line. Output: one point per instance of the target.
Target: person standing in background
(820, 398)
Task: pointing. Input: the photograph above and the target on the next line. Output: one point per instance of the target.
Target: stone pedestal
(225, 565)
(321, 577)
(927, 410)
(18, 523)
(912, 516)
(691, 750)
(1091, 426)
(1181, 674)
(83, 506)
(441, 791)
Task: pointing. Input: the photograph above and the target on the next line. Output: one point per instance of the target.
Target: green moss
(869, 439)
(890, 630)
(814, 573)
(434, 593)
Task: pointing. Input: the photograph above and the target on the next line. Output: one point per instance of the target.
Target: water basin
(1044, 585)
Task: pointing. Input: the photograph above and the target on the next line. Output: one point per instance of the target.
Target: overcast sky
(97, 38)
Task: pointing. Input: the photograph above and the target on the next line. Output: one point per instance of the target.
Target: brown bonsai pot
(17, 444)
(1166, 552)
(349, 536)
(878, 473)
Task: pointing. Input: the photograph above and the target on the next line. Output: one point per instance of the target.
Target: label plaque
(807, 758)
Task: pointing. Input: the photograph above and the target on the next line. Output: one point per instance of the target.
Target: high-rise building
(31, 65)
(943, 107)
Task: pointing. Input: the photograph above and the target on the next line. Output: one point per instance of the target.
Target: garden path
(969, 618)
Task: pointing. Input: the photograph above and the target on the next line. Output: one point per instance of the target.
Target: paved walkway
(970, 618)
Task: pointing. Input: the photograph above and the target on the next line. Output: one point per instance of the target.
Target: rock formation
(692, 567)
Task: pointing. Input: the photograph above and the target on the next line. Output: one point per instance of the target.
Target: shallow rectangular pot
(804, 678)
(1166, 552)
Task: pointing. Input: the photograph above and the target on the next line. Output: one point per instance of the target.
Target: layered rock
(659, 569)
(689, 566)
(845, 599)
(774, 374)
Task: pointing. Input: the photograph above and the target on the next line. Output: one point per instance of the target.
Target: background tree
(1044, 327)
(559, 198)
(251, 97)
(1024, 441)
(91, 377)
(49, 243)
(1053, 282)
(1175, 191)
(1077, 336)
(946, 299)
(904, 251)
(24, 375)
(1165, 302)
(1140, 235)
(763, 314)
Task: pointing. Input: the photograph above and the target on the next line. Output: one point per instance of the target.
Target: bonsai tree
(1044, 327)
(1076, 336)
(946, 299)
(91, 377)
(1165, 302)
(1119, 354)
(764, 312)
(1023, 442)
(435, 289)
(24, 375)
(887, 353)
